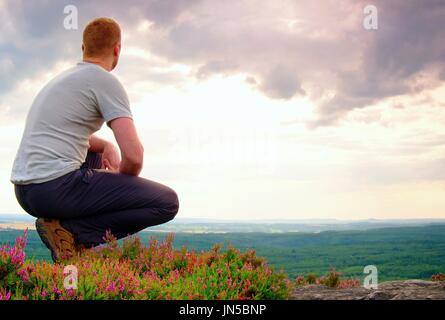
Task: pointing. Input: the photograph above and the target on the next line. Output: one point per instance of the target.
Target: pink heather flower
(71, 292)
(96, 290)
(248, 266)
(43, 294)
(111, 287)
(7, 296)
(20, 242)
(23, 274)
(122, 287)
(17, 256)
(57, 291)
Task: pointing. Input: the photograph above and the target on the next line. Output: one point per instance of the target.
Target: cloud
(33, 40)
(323, 44)
(286, 49)
(281, 83)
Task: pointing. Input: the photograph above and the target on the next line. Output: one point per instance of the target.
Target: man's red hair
(100, 36)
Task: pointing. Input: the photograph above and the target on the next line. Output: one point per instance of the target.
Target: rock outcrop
(391, 290)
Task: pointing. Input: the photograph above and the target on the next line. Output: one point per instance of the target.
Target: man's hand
(111, 158)
(110, 155)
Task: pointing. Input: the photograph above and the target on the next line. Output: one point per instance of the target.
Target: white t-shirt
(66, 112)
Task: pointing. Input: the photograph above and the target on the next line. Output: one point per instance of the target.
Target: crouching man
(78, 185)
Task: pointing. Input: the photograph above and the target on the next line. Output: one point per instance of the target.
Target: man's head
(102, 41)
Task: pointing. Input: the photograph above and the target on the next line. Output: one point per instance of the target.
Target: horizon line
(202, 219)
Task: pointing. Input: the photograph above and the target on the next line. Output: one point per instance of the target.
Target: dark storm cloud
(33, 38)
(409, 43)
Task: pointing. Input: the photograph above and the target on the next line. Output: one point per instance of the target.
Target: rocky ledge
(391, 290)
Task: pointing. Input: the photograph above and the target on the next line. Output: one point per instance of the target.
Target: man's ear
(83, 48)
(117, 50)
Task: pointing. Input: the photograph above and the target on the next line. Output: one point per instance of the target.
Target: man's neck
(100, 62)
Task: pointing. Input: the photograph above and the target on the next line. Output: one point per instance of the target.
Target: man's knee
(171, 202)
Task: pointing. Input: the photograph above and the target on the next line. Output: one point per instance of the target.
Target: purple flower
(23, 274)
(57, 291)
(17, 256)
(71, 292)
(20, 242)
(7, 296)
(111, 287)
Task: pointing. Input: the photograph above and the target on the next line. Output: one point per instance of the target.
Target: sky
(271, 109)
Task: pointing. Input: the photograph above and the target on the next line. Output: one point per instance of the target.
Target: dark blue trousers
(90, 201)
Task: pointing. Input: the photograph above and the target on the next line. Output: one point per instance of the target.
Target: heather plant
(135, 271)
(438, 277)
(13, 273)
(332, 279)
(311, 278)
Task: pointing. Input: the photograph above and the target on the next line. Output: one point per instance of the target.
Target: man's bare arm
(132, 151)
(97, 144)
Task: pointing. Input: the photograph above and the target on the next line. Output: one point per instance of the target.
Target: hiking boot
(56, 238)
